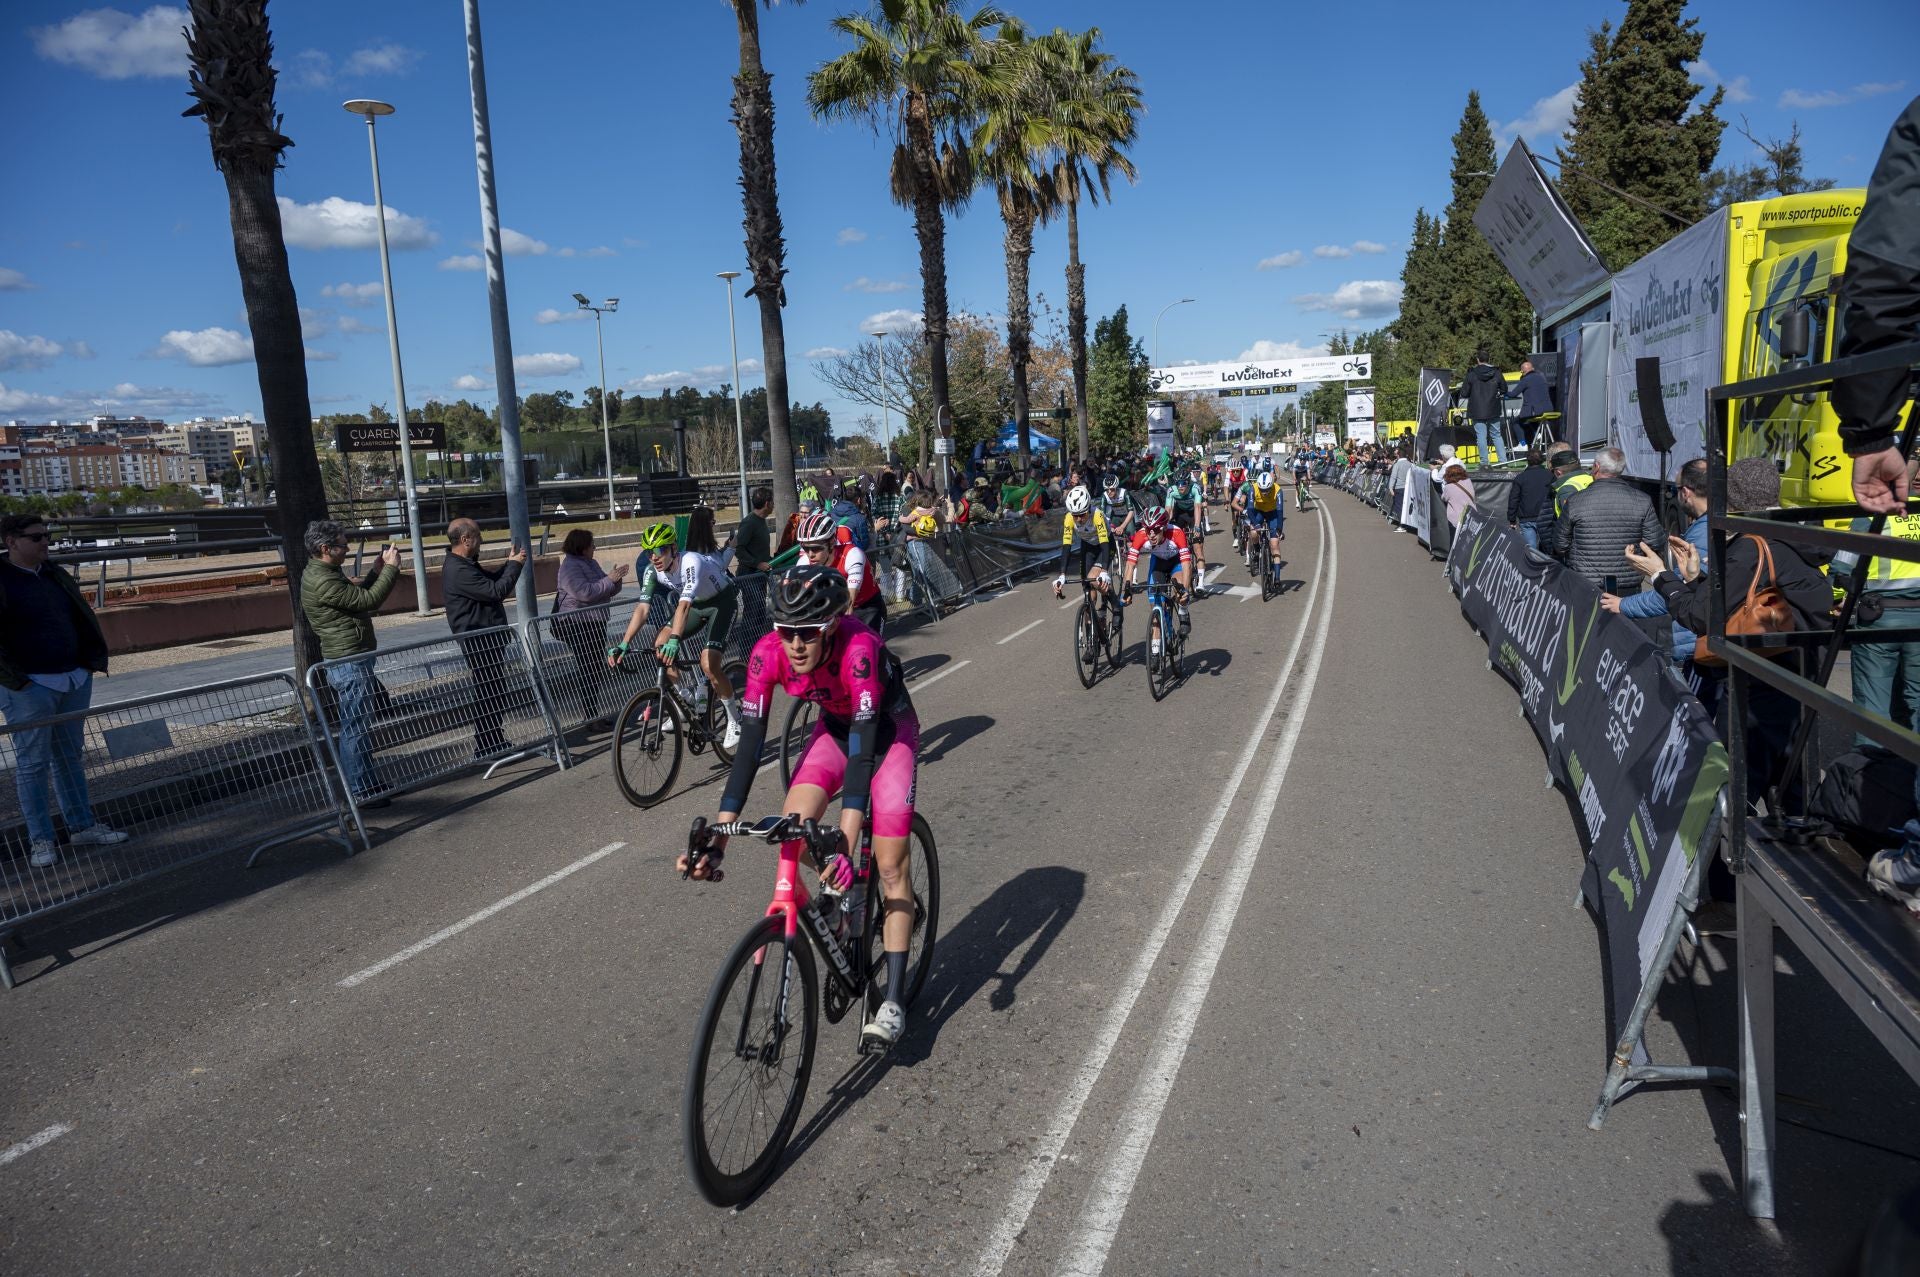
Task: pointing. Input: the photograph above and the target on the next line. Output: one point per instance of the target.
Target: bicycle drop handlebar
(821, 840)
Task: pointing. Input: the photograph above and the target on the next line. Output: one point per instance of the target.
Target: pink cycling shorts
(890, 806)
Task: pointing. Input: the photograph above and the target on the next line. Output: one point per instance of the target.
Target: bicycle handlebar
(821, 840)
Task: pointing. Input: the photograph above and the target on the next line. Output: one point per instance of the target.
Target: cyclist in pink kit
(863, 748)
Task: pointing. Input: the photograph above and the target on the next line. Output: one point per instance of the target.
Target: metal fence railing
(402, 717)
(184, 775)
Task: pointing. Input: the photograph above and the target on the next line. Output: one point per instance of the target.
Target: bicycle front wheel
(646, 748)
(1158, 680)
(1086, 644)
(752, 1055)
(1266, 568)
(1116, 618)
(801, 716)
(923, 875)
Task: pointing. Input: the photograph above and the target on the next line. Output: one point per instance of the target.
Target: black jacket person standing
(476, 602)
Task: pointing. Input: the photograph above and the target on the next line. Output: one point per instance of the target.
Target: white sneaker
(888, 1023)
(1890, 873)
(731, 740)
(45, 854)
(96, 835)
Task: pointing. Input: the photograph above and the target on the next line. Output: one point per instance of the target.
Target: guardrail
(253, 763)
(186, 775)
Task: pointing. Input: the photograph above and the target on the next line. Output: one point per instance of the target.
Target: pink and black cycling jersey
(862, 696)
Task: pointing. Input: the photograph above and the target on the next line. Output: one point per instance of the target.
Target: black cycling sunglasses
(33, 536)
(805, 633)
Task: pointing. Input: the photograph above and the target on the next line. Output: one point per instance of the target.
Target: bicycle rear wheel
(1159, 680)
(1116, 618)
(1086, 645)
(646, 747)
(801, 716)
(716, 718)
(1266, 567)
(923, 873)
(747, 1075)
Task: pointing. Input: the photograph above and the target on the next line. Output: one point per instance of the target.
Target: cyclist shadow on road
(1025, 915)
(1212, 662)
(941, 739)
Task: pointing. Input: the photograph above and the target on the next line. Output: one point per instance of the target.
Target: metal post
(606, 430)
(739, 417)
(518, 527)
(399, 386)
(886, 409)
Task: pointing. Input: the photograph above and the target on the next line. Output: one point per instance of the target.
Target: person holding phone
(340, 613)
(476, 613)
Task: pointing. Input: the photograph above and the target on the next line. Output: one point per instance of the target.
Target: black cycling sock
(896, 975)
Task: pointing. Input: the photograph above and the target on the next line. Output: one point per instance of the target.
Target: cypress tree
(1484, 307)
(1635, 127)
(1422, 325)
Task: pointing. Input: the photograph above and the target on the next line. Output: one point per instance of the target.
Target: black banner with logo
(1638, 754)
(1431, 412)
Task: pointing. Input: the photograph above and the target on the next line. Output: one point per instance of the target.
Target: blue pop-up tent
(1041, 442)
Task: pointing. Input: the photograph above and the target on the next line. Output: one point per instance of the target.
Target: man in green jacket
(50, 649)
(341, 614)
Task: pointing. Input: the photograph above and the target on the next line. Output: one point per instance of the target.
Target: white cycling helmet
(1264, 481)
(1079, 500)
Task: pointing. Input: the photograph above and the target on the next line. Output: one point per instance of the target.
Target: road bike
(1163, 671)
(679, 715)
(754, 1044)
(1302, 491)
(1096, 631)
(1262, 562)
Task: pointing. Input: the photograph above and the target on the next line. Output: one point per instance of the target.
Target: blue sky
(1281, 159)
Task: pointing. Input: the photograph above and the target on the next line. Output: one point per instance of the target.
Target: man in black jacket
(1536, 398)
(476, 601)
(1598, 526)
(1530, 500)
(1486, 396)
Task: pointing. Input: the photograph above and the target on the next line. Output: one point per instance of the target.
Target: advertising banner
(384, 436)
(1261, 373)
(1668, 304)
(1431, 412)
(1422, 493)
(1160, 425)
(1535, 235)
(1623, 737)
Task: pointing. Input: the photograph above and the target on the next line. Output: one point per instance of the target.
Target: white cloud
(1332, 250)
(895, 323)
(546, 364)
(12, 281)
(463, 261)
(1545, 121)
(825, 352)
(1267, 351)
(338, 223)
(125, 398)
(1794, 99)
(20, 350)
(552, 316)
(321, 356)
(1356, 299)
(1368, 246)
(515, 244)
(865, 285)
(310, 69)
(705, 377)
(849, 235)
(380, 59)
(352, 324)
(600, 250)
(118, 46)
(355, 294)
(1739, 89)
(467, 381)
(206, 347)
(1281, 261)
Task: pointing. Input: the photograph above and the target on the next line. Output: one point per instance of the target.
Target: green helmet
(657, 537)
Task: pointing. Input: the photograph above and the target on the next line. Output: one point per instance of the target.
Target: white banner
(1360, 405)
(1360, 432)
(1323, 439)
(1669, 304)
(1160, 426)
(1259, 373)
(1535, 235)
(1420, 499)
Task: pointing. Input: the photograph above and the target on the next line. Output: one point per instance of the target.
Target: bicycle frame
(791, 900)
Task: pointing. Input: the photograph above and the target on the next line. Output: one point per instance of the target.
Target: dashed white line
(1044, 1153)
(32, 1142)
(474, 919)
(916, 685)
(1017, 633)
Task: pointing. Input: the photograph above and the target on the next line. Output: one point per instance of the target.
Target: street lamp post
(1156, 326)
(606, 428)
(371, 110)
(739, 417)
(886, 409)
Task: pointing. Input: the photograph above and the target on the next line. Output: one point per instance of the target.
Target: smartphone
(1613, 586)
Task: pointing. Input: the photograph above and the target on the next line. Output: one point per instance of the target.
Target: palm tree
(1009, 152)
(766, 243)
(231, 78)
(1095, 117)
(915, 71)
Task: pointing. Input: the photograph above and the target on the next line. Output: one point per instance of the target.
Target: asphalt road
(1279, 974)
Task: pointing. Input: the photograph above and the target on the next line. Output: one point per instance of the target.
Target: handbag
(1765, 611)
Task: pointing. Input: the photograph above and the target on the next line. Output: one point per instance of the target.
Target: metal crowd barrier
(569, 652)
(186, 775)
(403, 717)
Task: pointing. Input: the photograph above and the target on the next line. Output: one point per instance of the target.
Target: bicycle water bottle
(699, 696)
(853, 909)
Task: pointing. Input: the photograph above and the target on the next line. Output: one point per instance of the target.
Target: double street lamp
(606, 430)
(1156, 326)
(370, 110)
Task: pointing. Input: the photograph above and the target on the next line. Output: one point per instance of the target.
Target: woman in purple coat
(580, 619)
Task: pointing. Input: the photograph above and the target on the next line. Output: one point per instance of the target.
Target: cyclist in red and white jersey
(1168, 557)
(825, 543)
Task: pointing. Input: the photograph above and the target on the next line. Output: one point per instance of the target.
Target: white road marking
(1119, 1171)
(1017, 633)
(32, 1142)
(1069, 603)
(922, 684)
(474, 919)
(1046, 1148)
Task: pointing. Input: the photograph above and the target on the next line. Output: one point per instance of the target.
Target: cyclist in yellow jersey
(1259, 504)
(1084, 534)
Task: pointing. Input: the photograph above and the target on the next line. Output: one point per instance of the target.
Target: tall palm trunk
(1077, 318)
(766, 245)
(230, 53)
(1019, 246)
(930, 228)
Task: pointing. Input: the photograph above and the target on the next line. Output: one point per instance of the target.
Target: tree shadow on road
(1031, 910)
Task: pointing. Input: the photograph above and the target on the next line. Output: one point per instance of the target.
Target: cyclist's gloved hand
(615, 652)
(1058, 583)
(837, 876)
(670, 650)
